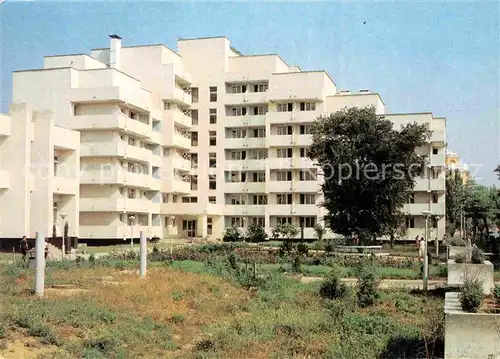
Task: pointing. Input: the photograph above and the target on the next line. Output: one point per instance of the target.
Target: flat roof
(305, 72)
(151, 45)
(202, 38)
(358, 94)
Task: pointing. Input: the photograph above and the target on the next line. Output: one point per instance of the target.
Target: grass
(180, 311)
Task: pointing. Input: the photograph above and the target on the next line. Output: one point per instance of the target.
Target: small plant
(286, 247)
(332, 287)
(460, 258)
(367, 285)
(256, 234)
(496, 294)
(471, 295)
(477, 256)
(296, 265)
(233, 261)
(442, 271)
(457, 242)
(302, 248)
(232, 234)
(329, 246)
(177, 318)
(177, 296)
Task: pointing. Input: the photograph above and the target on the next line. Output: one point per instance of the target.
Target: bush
(460, 258)
(286, 247)
(302, 248)
(477, 256)
(471, 295)
(456, 241)
(329, 246)
(232, 234)
(496, 294)
(367, 285)
(296, 265)
(256, 234)
(442, 270)
(332, 287)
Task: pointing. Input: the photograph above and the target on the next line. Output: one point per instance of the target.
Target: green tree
(256, 234)
(286, 230)
(369, 169)
(480, 203)
(455, 196)
(497, 170)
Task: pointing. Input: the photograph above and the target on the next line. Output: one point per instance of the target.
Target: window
(236, 199)
(194, 117)
(283, 220)
(132, 115)
(411, 198)
(260, 110)
(131, 141)
(237, 155)
(194, 183)
(259, 199)
(238, 89)
(284, 176)
(305, 129)
(212, 138)
(307, 222)
(194, 138)
(435, 198)
(189, 199)
(212, 159)
(212, 200)
(213, 93)
(56, 166)
(194, 160)
(285, 107)
(257, 177)
(284, 153)
(410, 222)
(213, 116)
(131, 193)
(238, 133)
(435, 151)
(257, 154)
(258, 132)
(238, 111)
(260, 88)
(307, 198)
(194, 94)
(258, 221)
(307, 106)
(164, 197)
(284, 130)
(238, 222)
(307, 176)
(167, 105)
(304, 152)
(434, 222)
(212, 182)
(284, 198)
(209, 225)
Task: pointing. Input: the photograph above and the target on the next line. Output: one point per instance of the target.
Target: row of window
(260, 199)
(284, 176)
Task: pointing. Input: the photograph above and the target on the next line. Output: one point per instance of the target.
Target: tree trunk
(392, 240)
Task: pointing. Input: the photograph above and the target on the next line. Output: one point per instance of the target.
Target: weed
(460, 258)
(477, 256)
(296, 264)
(205, 345)
(471, 295)
(496, 295)
(332, 287)
(177, 296)
(177, 318)
(442, 270)
(367, 285)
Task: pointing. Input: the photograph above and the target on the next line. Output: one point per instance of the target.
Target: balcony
(280, 141)
(278, 186)
(114, 204)
(277, 163)
(243, 121)
(139, 180)
(180, 163)
(306, 186)
(192, 209)
(302, 140)
(115, 148)
(116, 121)
(118, 230)
(65, 186)
(4, 125)
(244, 210)
(254, 165)
(305, 210)
(177, 117)
(251, 142)
(305, 116)
(304, 162)
(280, 117)
(279, 210)
(421, 184)
(415, 209)
(106, 175)
(180, 186)
(437, 160)
(438, 184)
(4, 179)
(438, 137)
(245, 187)
(177, 95)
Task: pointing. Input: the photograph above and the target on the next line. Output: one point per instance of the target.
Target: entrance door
(189, 228)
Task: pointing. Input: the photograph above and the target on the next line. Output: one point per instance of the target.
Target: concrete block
(469, 335)
(454, 250)
(458, 272)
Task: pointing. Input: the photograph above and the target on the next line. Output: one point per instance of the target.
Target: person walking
(24, 247)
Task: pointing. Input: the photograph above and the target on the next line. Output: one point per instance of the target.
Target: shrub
(302, 248)
(329, 246)
(477, 256)
(286, 247)
(456, 241)
(232, 234)
(460, 258)
(177, 318)
(496, 294)
(471, 295)
(92, 258)
(332, 287)
(442, 270)
(233, 261)
(367, 285)
(296, 264)
(256, 234)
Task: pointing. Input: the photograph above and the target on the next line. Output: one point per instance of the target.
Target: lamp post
(427, 214)
(131, 218)
(63, 246)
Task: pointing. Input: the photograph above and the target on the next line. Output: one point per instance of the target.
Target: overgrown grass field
(204, 310)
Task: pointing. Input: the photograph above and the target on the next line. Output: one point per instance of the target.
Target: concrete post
(143, 254)
(39, 264)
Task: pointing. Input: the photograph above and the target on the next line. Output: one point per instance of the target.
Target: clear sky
(442, 57)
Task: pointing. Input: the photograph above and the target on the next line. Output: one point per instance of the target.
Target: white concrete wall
(459, 272)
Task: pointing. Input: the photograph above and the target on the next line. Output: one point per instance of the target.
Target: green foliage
(459, 258)
(358, 151)
(232, 234)
(177, 318)
(319, 231)
(477, 256)
(332, 287)
(457, 242)
(302, 248)
(256, 234)
(286, 248)
(496, 295)
(367, 285)
(442, 270)
(471, 295)
(286, 230)
(455, 196)
(296, 264)
(233, 261)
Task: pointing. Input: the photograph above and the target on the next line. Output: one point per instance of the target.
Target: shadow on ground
(407, 348)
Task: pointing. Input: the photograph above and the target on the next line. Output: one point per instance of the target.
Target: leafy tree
(369, 169)
(480, 208)
(396, 227)
(497, 170)
(285, 230)
(455, 195)
(232, 234)
(256, 234)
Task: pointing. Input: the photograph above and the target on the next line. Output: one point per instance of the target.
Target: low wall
(469, 335)
(454, 250)
(458, 272)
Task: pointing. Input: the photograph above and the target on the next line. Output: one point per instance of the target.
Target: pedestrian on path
(24, 247)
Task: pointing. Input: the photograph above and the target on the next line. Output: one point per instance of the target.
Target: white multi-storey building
(187, 143)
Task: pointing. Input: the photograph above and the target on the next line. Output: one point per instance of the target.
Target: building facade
(188, 143)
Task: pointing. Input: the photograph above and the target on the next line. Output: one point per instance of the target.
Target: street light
(131, 218)
(63, 246)
(427, 214)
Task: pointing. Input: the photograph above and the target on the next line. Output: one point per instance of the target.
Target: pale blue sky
(442, 57)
